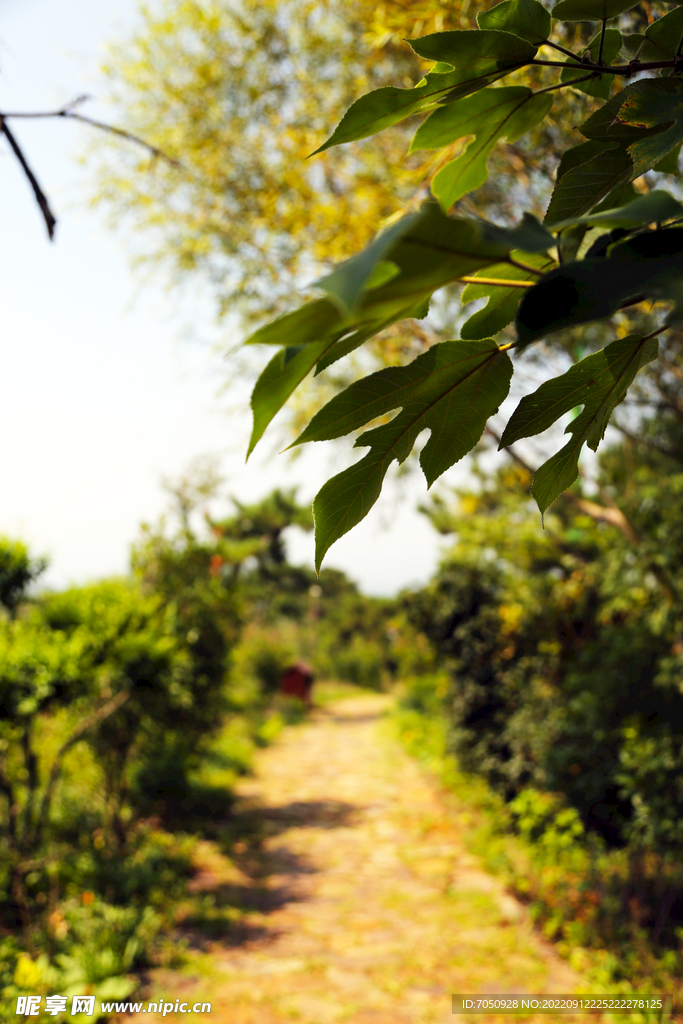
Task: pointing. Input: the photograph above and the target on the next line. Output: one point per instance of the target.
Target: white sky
(100, 396)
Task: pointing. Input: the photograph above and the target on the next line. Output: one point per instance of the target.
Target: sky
(103, 393)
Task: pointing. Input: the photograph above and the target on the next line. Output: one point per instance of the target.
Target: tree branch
(41, 198)
(96, 718)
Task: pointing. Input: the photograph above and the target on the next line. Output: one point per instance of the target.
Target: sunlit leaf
(347, 282)
(452, 389)
(427, 250)
(489, 115)
(477, 58)
(526, 18)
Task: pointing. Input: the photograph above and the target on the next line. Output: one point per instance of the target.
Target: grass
(566, 881)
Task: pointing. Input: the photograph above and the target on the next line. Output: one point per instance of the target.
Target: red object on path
(297, 681)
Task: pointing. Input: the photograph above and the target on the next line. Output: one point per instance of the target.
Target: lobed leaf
(489, 115)
(593, 382)
(451, 390)
(599, 383)
(427, 250)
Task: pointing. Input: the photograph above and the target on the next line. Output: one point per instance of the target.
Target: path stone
(366, 907)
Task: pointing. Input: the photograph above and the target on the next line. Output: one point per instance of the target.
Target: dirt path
(365, 908)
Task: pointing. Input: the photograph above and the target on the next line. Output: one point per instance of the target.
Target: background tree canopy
(259, 221)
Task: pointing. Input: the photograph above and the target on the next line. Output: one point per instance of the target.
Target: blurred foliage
(129, 708)
(564, 656)
(239, 95)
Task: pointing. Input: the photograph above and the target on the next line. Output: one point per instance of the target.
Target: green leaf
(474, 53)
(502, 302)
(489, 115)
(428, 251)
(350, 342)
(593, 382)
(599, 383)
(346, 284)
(662, 37)
(591, 10)
(655, 106)
(655, 207)
(647, 266)
(387, 106)
(477, 58)
(299, 327)
(526, 18)
(583, 186)
(279, 380)
(597, 87)
(669, 163)
(451, 390)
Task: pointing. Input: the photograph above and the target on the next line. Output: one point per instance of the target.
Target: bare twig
(41, 198)
(68, 111)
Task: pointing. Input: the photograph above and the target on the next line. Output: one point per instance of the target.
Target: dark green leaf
(599, 383)
(502, 302)
(525, 18)
(429, 251)
(591, 10)
(598, 87)
(451, 390)
(584, 185)
(488, 115)
(655, 106)
(662, 37)
(669, 163)
(594, 382)
(649, 265)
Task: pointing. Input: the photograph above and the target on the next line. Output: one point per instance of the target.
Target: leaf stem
(602, 40)
(635, 67)
(562, 49)
(562, 85)
(653, 334)
(524, 266)
(498, 281)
